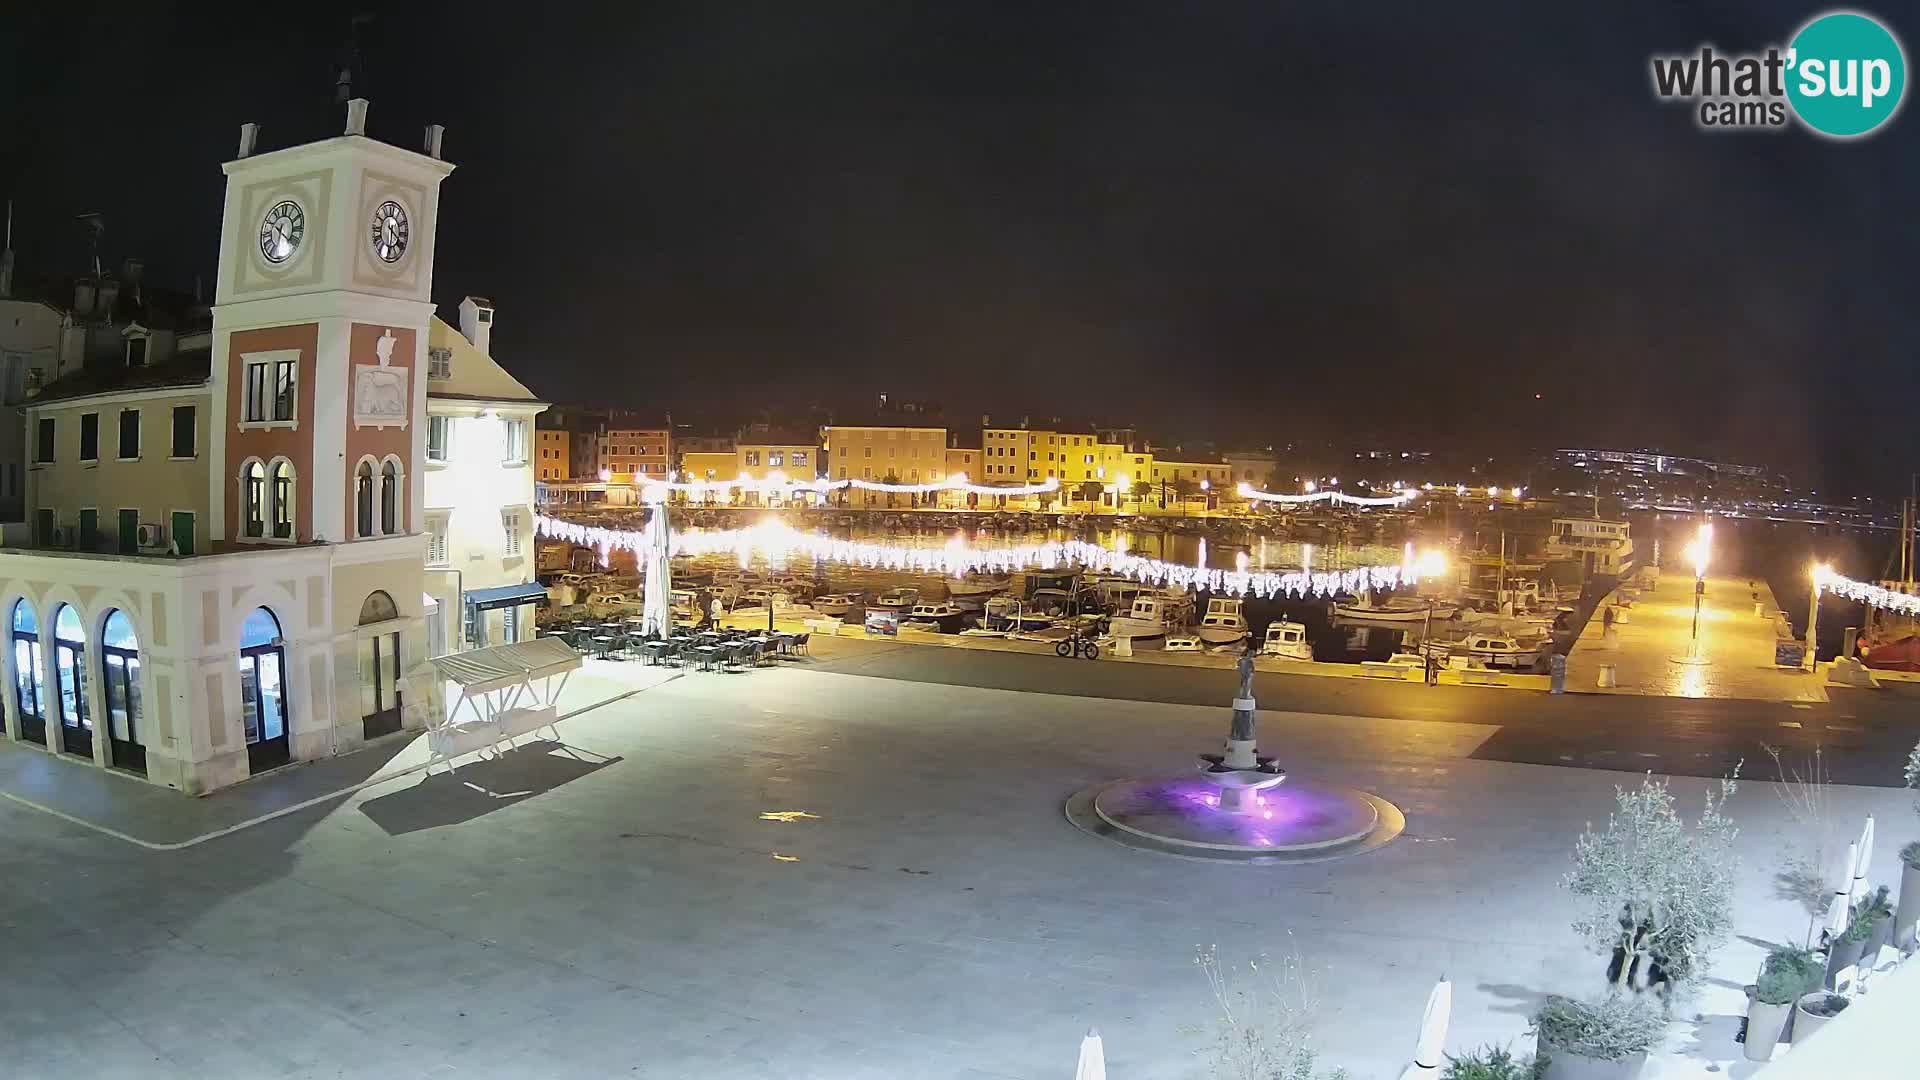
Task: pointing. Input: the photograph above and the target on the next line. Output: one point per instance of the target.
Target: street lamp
(1821, 573)
(1697, 553)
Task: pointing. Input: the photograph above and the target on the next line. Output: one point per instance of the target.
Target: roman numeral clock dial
(281, 231)
(388, 232)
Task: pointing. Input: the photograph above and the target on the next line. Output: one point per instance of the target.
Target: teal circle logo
(1846, 74)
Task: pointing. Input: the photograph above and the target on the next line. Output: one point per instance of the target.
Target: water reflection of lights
(788, 815)
(777, 542)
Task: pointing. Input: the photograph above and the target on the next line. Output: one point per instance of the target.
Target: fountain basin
(1185, 815)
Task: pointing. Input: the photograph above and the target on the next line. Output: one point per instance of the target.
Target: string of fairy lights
(1871, 595)
(777, 542)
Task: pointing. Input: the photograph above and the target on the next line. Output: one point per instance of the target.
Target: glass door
(380, 684)
(26, 662)
(120, 665)
(70, 672)
(264, 707)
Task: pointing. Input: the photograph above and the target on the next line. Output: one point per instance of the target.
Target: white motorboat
(1182, 643)
(942, 617)
(797, 587)
(1223, 624)
(836, 604)
(1008, 613)
(764, 598)
(1497, 651)
(1153, 615)
(972, 587)
(896, 599)
(1117, 594)
(1395, 609)
(1287, 640)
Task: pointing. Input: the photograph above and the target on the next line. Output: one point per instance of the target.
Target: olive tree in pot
(1787, 975)
(1867, 929)
(1605, 1038)
(1660, 892)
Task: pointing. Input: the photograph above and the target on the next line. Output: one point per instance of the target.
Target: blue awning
(531, 592)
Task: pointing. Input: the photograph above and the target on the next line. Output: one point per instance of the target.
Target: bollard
(1759, 608)
(1558, 667)
(1607, 680)
(1123, 646)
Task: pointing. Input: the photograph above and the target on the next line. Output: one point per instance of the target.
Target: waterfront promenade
(1736, 645)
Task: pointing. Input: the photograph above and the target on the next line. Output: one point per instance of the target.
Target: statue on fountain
(1242, 771)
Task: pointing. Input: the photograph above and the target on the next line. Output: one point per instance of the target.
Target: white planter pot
(1562, 1065)
(1764, 1026)
(1806, 1023)
(1908, 913)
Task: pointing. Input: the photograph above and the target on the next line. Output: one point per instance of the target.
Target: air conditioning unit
(63, 536)
(151, 537)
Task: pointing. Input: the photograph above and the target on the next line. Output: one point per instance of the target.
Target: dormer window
(439, 363)
(137, 351)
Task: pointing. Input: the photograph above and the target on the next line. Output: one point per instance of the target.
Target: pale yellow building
(151, 495)
(906, 454)
(555, 460)
(1189, 485)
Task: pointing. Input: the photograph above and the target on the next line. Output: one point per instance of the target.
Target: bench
(1376, 669)
(1481, 677)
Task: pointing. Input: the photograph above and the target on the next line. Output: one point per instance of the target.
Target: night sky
(1254, 222)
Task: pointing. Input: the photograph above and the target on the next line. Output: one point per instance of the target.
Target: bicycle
(1077, 645)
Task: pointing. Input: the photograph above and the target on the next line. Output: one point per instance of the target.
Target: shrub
(1911, 854)
(1488, 1063)
(1610, 1028)
(1826, 1005)
(1788, 974)
(1867, 914)
(1263, 1031)
(1661, 891)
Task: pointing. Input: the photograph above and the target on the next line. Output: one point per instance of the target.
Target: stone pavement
(793, 873)
(1737, 644)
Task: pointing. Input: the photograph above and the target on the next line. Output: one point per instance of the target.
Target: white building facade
(298, 630)
(479, 489)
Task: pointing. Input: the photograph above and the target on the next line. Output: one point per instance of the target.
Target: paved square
(630, 910)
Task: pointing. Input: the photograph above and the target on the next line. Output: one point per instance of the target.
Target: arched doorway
(379, 668)
(29, 688)
(70, 669)
(120, 666)
(263, 695)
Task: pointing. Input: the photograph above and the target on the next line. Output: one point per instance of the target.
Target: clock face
(281, 231)
(388, 234)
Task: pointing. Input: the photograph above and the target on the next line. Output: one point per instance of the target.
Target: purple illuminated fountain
(1237, 809)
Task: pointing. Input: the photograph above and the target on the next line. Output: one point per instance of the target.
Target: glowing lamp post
(1697, 554)
(1821, 573)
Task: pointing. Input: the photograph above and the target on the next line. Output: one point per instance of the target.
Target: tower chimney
(434, 134)
(249, 135)
(476, 322)
(6, 257)
(357, 116)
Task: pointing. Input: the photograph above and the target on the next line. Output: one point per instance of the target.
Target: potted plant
(1787, 975)
(1813, 1012)
(1605, 1038)
(1903, 924)
(1877, 912)
(1846, 950)
(1488, 1063)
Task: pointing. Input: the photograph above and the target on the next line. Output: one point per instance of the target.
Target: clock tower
(317, 411)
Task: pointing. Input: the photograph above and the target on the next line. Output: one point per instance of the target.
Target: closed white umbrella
(1429, 1052)
(1839, 910)
(1093, 1058)
(657, 616)
(1863, 858)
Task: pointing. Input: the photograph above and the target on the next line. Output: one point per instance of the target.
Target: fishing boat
(1182, 643)
(1287, 640)
(897, 599)
(1153, 615)
(942, 617)
(836, 604)
(972, 586)
(1497, 651)
(1395, 609)
(1006, 613)
(1223, 624)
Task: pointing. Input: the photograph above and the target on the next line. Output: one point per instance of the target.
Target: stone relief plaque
(380, 390)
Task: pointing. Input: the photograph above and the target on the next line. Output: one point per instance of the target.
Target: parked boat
(897, 599)
(1287, 640)
(1223, 624)
(1153, 615)
(1497, 651)
(836, 604)
(971, 586)
(942, 617)
(1182, 643)
(1395, 609)
(1008, 613)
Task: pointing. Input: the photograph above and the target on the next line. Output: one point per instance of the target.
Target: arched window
(120, 666)
(70, 668)
(363, 499)
(378, 607)
(263, 696)
(29, 681)
(389, 498)
(282, 487)
(253, 497)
